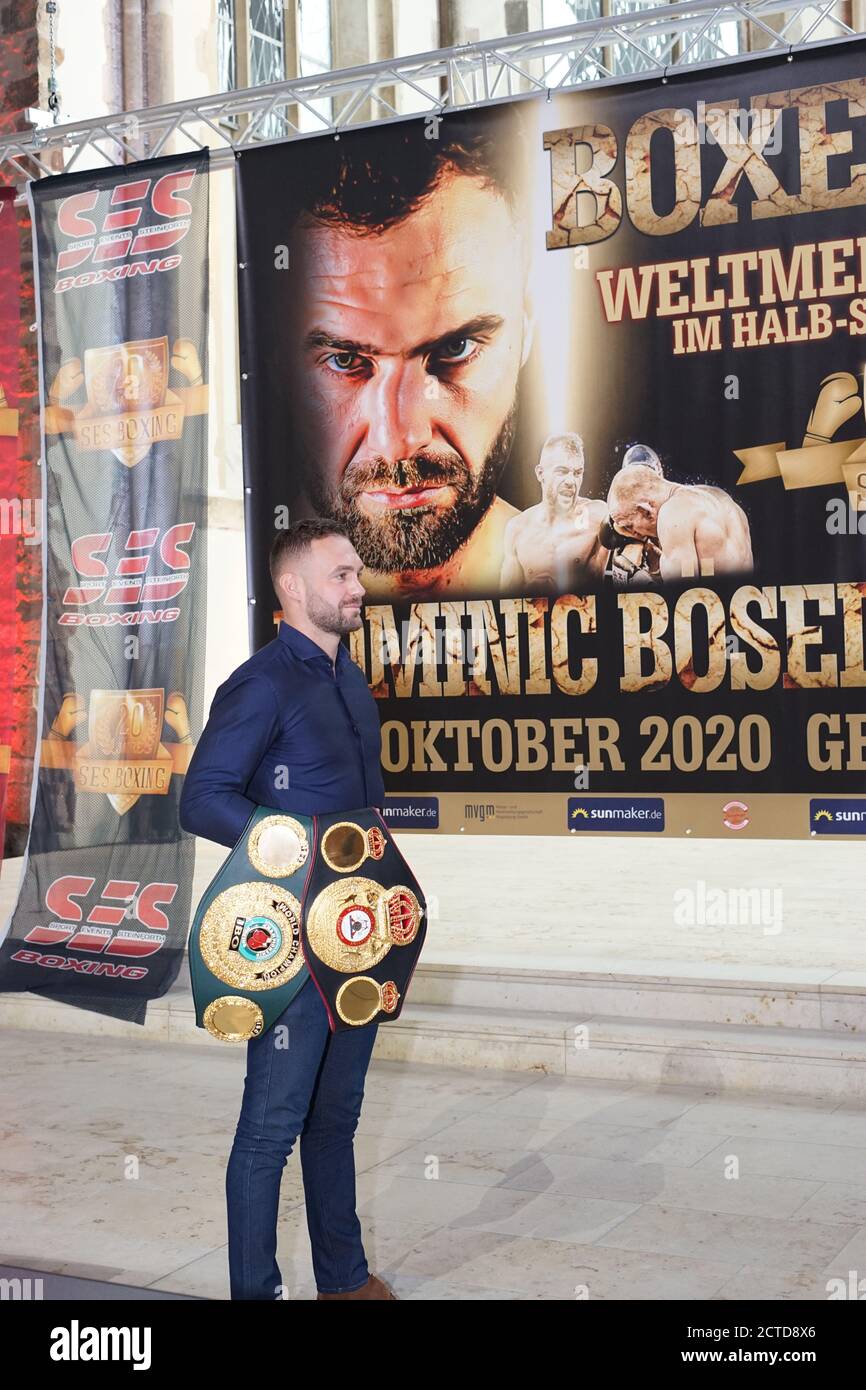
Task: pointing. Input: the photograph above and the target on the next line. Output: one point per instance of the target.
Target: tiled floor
(471, 1185)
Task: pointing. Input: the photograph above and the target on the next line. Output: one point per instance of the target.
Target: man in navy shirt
(296, 727)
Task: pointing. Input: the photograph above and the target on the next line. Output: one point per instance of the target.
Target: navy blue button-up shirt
(288, 729)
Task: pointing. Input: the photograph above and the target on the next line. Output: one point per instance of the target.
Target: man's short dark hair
(293, 540)
(373, 179)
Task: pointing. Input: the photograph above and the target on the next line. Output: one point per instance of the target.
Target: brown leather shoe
(374, 1288)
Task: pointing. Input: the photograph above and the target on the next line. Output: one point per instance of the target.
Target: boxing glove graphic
(186, 361)
(177, 717)
(68, 380)
(72, 711)
(837, 401)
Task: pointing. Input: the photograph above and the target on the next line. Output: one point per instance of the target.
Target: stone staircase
(666, 1028)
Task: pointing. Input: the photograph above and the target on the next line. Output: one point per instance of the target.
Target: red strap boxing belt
(363, 919)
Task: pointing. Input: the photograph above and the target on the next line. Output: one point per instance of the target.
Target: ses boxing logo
(616, 813)
(102, 933)
(129, 234)
(150, 567)
(837, 817)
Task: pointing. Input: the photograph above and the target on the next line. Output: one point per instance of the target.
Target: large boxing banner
(14, 516)
(104, 906)
(583, 379)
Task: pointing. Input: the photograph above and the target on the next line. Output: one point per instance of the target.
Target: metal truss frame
(662, 41)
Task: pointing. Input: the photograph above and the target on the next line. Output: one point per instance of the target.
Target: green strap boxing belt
(326, 896)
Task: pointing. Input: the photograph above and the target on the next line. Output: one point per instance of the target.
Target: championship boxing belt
(363, 919)
(246, 961)
(287, 903)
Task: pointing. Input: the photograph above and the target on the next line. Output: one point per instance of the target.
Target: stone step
(791, 1061)
(559, 1036)
(671, 993)
(758, 997)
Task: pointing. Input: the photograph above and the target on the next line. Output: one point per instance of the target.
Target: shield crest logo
(126, 725)
(127, 382)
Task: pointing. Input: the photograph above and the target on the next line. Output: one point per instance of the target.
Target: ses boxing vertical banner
(14, 513)
(103, 910)
(583, 378)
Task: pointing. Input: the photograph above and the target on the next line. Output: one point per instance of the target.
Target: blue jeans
(300, 1079)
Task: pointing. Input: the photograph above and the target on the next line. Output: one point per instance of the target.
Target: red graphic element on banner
(102, 932)
(128, 582)
(736, 815)
(115, 239)
(10, 504)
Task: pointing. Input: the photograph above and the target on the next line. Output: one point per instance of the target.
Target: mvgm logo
(837, 817)
(616, 813)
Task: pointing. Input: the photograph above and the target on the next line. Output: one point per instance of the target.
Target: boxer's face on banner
(639, 521)
(408, 345)
(634, 499)
(561, 475)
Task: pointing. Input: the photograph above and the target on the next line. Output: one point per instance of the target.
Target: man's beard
(419, 538)
(327, 618)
